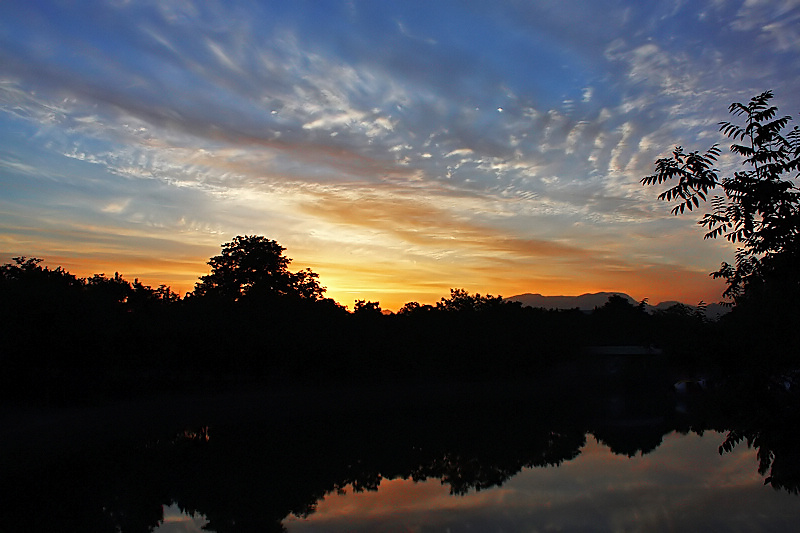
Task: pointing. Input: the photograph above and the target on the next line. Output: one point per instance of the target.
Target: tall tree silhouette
(760, 205)
(254, 266)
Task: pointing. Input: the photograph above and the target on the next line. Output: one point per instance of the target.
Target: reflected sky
(683, 485)
(176, 520)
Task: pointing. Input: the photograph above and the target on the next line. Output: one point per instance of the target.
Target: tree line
(253, 318)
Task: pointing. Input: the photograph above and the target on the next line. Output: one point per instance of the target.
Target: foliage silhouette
(760, 206)
(461, 301)
(66, 336)
(254, 266)
(759, 210)
(367, 308)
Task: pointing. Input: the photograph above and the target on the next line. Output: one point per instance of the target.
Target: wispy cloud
(514, 133)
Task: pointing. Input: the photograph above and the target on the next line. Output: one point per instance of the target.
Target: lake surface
(684, 485)
(463, 457)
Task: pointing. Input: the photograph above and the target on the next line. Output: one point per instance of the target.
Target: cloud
(407, 33)
(423, 229)
(377, 122)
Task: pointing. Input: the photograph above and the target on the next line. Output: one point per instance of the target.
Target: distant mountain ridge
(589, 301)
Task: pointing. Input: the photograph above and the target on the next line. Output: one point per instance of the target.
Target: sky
(398, 149)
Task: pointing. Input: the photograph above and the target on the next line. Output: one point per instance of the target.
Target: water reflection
(177, 520)
(592, 455)
(667, 490)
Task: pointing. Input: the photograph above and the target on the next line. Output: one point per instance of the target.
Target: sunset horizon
(393, 297)
(398, 150)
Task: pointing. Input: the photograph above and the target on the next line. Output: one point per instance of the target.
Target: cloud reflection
(177, 520)
(684, 484)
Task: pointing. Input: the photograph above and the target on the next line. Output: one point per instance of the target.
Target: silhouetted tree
(27, 279)
(760, 211)
(461, 300)
(411, 307)
(619, 305)
(255, 266)
(364, 307)
(760, 206)
(620, 321)
(114, 290)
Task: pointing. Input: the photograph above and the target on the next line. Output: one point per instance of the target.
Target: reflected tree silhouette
(769, 422)
(260, 464)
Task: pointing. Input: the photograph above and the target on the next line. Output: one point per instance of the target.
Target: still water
(463, 458)
(684, 485)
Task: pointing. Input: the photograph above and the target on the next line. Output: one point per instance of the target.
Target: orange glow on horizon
(394, 288)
